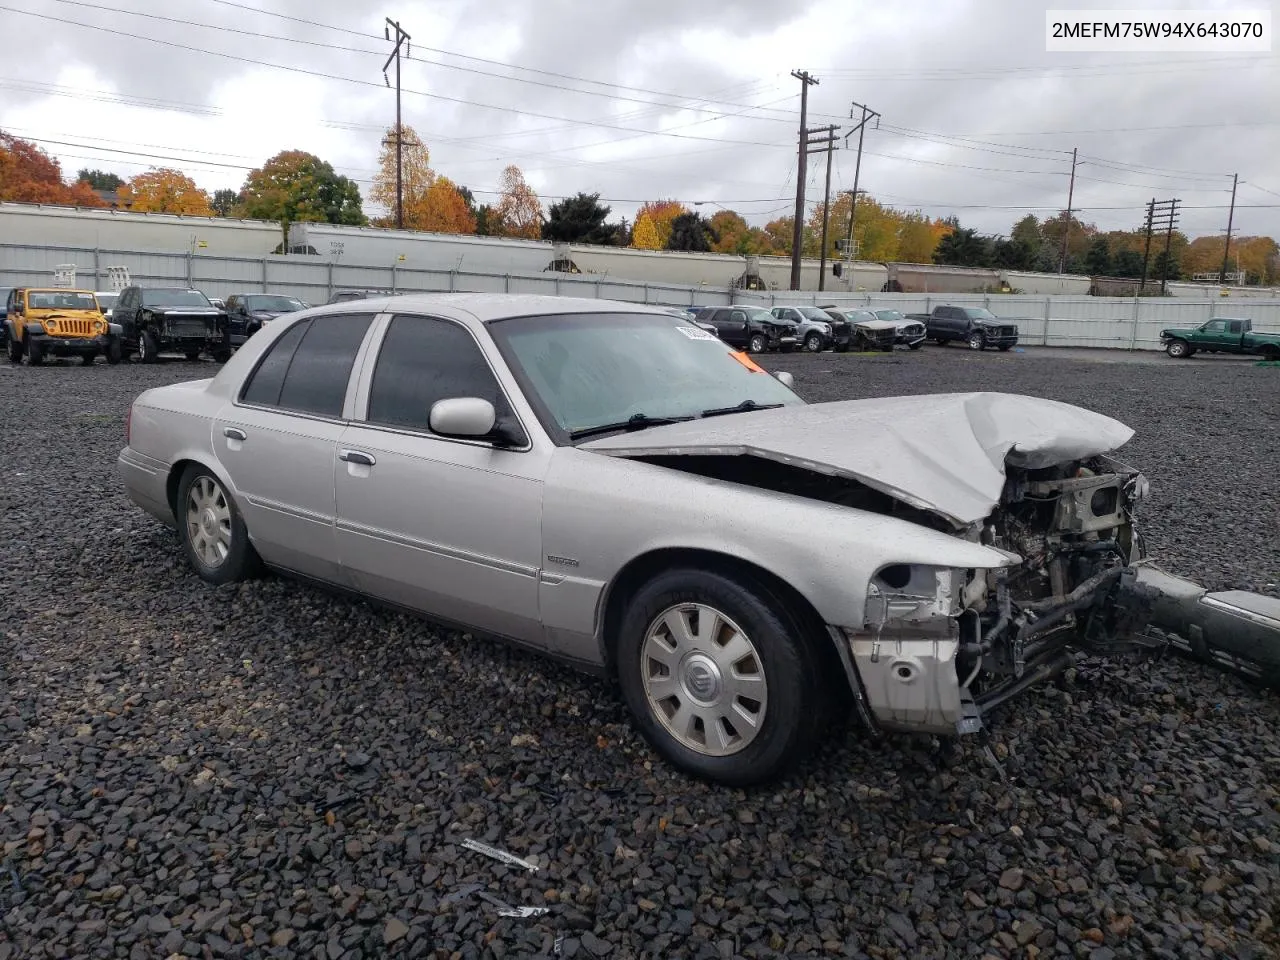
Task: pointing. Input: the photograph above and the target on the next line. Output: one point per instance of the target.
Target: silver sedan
(614, 486)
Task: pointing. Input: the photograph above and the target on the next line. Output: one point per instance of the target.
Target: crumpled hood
(940, 452)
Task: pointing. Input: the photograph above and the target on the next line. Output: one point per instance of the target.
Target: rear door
(278, 440)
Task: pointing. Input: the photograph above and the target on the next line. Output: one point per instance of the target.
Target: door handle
(233, 433)
(357, 456)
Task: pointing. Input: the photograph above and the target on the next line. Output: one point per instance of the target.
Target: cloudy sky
(685, 99)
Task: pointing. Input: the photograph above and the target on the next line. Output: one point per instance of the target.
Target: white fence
(1079, 321)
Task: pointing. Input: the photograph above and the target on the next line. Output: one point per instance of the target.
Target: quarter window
(423, 360)
(308, 368)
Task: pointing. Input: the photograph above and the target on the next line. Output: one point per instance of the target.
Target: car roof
(491, 307)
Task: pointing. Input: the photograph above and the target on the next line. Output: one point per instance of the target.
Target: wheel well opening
(172, 482)
(636, 573)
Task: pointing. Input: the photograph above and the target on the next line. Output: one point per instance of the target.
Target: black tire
(241, 561)
(757, 343)
(87, 359)
(916, 346)
(222, 354)
(148, 349)
(976, 342)
(114, 353)
(797, 706)
(841, 348)
(192, 356)
(813, 343)
(940, 341)
(15, 351)
(1178, 349)
(1006, 348)
(35, 352)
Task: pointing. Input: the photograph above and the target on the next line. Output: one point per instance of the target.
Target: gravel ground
(269, 771)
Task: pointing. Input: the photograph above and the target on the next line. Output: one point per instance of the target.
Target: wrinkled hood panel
(941, 452)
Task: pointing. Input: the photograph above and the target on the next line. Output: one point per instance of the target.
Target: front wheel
(719, 678)
(212, 531)
(916, 346)
(1177, 349)
(976, 342)
(757, 343)
(148, 349)
(114, 353)
(813, 343)
(15, 350)
(35, 352)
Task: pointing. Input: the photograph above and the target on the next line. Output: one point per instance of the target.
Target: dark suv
(248, 312)
(155, 320)
(751, 328)
(975, 326)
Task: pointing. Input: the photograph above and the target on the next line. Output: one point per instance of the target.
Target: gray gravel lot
(268, 771)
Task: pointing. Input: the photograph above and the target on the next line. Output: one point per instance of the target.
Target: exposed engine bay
(941, 648)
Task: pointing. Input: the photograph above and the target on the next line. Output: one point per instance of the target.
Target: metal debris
(502, 855)
(506, 910)
(462, 893)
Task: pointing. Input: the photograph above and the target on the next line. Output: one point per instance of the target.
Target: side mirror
(463, 417)
(786, 379)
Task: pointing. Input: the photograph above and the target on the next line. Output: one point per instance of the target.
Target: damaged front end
(940, 649)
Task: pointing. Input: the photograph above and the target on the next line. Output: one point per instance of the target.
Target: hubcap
(209, 522)
(704, 679)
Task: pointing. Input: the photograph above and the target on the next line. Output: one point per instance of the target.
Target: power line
(366, 83)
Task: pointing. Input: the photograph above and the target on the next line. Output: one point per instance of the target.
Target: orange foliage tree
(661, 213)
(519, 212)
(29, 175)
(441, 208)
(166, 191)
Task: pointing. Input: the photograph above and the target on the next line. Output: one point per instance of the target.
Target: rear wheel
(212, 531)
(148, 349)
(720, 678)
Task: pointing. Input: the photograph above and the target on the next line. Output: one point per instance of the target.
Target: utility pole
(1066, 228)
(1146, 255)
(1168, 242)
(1235, 179)
(860, 127)
(797, 235)
(824, 144)
(401, 38)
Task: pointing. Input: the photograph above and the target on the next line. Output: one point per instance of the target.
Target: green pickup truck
(1221, 335)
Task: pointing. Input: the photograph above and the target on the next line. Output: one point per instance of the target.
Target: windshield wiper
(637, 422)
(743, 407)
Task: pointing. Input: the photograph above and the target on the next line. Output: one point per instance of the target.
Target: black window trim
(360, 413)
(239, 402)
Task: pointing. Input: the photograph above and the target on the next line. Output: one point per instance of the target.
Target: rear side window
(423, 360)
(308, 368)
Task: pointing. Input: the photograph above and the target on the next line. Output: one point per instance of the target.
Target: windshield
(588, 370)
(813, 313)
(174, 298)
(894, 315)
(60, 300)
(273, 304)
(980, 313)
(107, 300)
(862, 316)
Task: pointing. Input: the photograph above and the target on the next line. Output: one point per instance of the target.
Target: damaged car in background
(615, 487)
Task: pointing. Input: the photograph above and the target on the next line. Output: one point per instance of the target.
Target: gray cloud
(939, 69)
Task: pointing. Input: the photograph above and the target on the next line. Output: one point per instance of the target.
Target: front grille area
(189, 329)
(59, 327)
(1007, 332)
(880, 337)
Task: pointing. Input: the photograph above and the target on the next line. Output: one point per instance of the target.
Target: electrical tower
(860, 129)
(1161, 215)
(401, 38)
(823, 140)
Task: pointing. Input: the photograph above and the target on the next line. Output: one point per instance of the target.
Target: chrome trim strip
(1239, 612)
(452, 553)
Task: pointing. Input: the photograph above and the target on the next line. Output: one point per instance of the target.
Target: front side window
(307, 369)
(586, 371)
(272, 303)
(423, 360)
(1217, 326)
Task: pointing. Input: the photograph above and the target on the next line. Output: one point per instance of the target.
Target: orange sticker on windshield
(743, 358)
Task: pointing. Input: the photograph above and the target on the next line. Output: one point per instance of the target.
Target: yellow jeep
(59, 322)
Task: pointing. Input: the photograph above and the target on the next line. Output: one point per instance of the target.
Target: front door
(449, 527)
(278, 442)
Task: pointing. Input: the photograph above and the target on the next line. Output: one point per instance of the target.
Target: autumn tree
(442, 209)
(29, 175)
(644, 235)
(99, 179)
(519, 212)
(416, 175)
(661, 213)
(780, 235)
(299, 187)
(166, 190)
